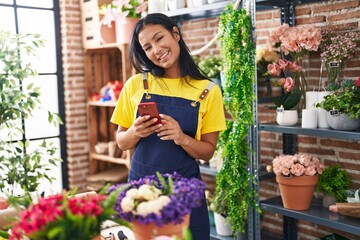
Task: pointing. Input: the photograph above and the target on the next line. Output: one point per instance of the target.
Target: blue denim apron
(152, 154)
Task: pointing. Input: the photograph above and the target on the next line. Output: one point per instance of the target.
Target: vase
(333, 71)
(287, 117)
(151, 230)
(297, 192)
(328, 200)
(342, 122)
(107, 34)
(124, 29)
(222, 225)
(322, 113)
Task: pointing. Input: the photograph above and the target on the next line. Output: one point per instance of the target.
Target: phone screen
(149, 108)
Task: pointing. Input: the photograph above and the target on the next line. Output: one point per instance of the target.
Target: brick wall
(344, 13)
(75, 96)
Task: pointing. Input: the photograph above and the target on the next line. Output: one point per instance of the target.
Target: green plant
(19, 166)
(234, 188)
(211, 65)
(345, 100)
(334, 181)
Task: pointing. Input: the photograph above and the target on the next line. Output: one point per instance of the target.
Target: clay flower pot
(297, 192)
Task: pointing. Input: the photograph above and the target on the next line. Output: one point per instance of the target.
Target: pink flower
(358, 82)
(297, 165)
(289, 84)
(274, 69)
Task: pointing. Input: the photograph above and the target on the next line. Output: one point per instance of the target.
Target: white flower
(2, 67)
(148, 192)
(132, 193)
(127, 204)
(144, 208)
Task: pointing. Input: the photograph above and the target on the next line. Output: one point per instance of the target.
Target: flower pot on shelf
(297, 192)
(342, 122)
(328, 200)
(222, 226)
(148, 231)
(124, 29)
(287, 117)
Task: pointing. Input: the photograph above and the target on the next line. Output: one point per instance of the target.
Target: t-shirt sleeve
(214, 116)
(123, 114)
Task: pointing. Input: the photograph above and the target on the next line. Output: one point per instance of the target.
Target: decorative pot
(151, 230)
(328, 200)
(155, 6)
(297, 192)
(175, 4)
(342, 122)
(124, 29)
(107, 34)
(322, 118)
(287, 117)
(222, 226)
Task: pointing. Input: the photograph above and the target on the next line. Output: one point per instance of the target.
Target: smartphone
(149, 108)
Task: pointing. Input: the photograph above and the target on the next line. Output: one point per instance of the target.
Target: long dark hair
(142, 63)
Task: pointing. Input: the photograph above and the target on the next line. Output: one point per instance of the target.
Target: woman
(190, 107)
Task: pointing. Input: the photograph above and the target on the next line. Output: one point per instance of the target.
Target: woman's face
(162, 48)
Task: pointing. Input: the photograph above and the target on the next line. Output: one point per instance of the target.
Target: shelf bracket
(288, 13)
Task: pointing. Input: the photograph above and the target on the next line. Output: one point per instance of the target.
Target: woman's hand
(171, 130)
(143, 126)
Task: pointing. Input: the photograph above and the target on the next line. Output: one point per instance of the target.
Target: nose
(157, 50)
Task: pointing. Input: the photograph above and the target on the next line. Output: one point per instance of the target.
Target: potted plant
(125, 14)
(297, 176)
(159, 204)
(333, 183)
(66, 216)
(21, 169)
(343, 105)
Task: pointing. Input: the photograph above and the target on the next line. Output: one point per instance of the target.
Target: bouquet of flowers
(336, 49)
(63, 217)
(296, 42)
(120, 9)
(160, 199)
(296, 165)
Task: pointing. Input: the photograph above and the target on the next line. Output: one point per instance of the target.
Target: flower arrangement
(296, 42)
(64, 217)
(292, 95)
(296, 165)
(345, 98)
(264, 57)
(160, 199)
(336, 49)
(120, 9)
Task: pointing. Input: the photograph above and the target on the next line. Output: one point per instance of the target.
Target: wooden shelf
(107, 158)
(102, 104)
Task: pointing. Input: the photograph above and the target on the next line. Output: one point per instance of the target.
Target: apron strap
(203, 94)
(146, 85)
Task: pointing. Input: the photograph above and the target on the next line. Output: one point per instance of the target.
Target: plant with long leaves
(234, 183)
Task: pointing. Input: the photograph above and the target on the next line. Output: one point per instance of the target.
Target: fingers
(144, 126)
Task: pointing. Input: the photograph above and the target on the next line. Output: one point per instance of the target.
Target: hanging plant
(234, 182)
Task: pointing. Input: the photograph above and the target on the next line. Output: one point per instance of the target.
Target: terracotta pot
(297, 192)
(151, 230)
(125, 29)
(98, 237)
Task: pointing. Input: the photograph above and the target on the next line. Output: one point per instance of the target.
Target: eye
(159, 39)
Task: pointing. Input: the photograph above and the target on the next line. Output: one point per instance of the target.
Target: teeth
(163, 56)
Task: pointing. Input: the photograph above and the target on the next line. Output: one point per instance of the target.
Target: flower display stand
(296, 192)
(148, 231)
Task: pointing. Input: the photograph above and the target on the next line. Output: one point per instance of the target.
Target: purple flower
(184, 194)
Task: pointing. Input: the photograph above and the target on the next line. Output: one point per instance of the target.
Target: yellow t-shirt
(211, 112)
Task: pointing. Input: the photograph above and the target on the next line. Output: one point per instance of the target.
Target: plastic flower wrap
(160, 199)
(296, 165)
